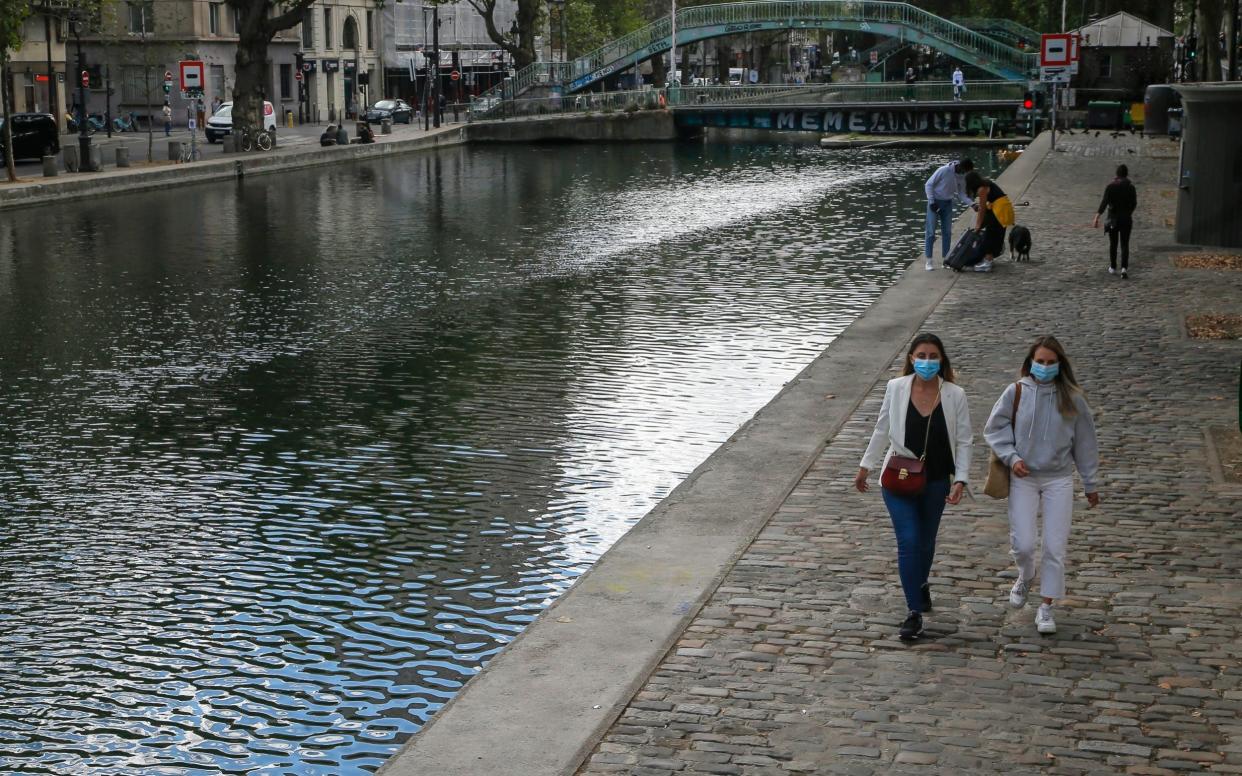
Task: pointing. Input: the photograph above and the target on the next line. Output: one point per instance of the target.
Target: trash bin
(1157, 100)
(1209, 185)
(1173, 124)
(1104, 114)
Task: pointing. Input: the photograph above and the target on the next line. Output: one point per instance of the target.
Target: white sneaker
(928, 265)
(983, 266)
(1043, 619)
(1017, 594)
(1112, 271)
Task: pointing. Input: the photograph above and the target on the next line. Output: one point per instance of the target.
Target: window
(1106, 66)
(370, 29)
(327, 28)
(286, 81)
(216, 74)
(213, 18)
(349, 35)
(237, 20)
(141, 16)
(308, 29)
(134, 85)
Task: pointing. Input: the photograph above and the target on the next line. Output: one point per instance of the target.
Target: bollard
(70, 152)
(386, 127)
(122, 156)
(273, 134)
(96, 161)
(227, 145)
(289, 119)
(342, 135)
(174, 150)
(49, 167)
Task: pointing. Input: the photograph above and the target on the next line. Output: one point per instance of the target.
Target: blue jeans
(945, 217)
(916, 520)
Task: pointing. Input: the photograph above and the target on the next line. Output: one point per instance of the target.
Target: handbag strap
(1017, 399)
(927, 431)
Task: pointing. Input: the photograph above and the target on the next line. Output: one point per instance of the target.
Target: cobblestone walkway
(794, 664)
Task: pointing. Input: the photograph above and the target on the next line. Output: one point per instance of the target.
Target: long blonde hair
(1067, 386)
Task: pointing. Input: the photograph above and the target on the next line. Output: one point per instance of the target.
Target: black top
(1121, 197)
(939, 461)
(989, 218)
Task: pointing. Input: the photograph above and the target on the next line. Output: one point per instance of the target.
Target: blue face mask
(1044, 373)
(927, 368)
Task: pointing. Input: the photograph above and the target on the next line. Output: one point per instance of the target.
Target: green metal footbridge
(878, 17)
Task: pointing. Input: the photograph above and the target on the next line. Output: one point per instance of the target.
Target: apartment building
(140, 40)
(340, 57)
(36, 72)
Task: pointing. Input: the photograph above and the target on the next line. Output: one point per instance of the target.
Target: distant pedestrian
(167, 119)
(959, 84)
(994, 214)
(1120, 200)
(328, 138)
(200, 111)
(911, 77)
(1050, 434)
(924, 420)
(947, 183)
(215, 105)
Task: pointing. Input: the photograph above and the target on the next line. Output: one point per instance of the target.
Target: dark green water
(285, 463)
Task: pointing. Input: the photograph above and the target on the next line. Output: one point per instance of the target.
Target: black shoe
(912, 628)
(927, 607)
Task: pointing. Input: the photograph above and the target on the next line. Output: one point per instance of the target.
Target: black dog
(1020, 243)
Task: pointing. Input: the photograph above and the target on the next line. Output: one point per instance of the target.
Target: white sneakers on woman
(1017, 594)
(1043, 619)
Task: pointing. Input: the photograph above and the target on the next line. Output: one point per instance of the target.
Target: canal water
(285, 462)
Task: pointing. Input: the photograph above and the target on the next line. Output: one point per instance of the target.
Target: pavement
(748, 624)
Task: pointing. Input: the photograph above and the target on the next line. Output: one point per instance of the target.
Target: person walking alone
(924, 416)
(947, 183)
(959, 84)
(1120, 200)
(1050, 433)
(167, 119)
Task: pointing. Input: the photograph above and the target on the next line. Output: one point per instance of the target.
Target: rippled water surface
(284, 463)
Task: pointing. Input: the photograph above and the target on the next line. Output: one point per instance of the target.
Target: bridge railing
(642, 43)
(1009, 27)
(827, 94)
(537, 74)
(587, 102)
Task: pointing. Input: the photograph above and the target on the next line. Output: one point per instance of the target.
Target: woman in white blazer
(924, 415)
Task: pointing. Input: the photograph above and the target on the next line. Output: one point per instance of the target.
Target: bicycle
(261, 140)
(190, 153)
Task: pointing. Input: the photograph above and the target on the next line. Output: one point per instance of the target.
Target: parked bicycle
(251, 139)
(126, 124)
(96, 122)
(190, 153)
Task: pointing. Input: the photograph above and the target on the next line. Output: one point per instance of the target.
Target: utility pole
(53, 106)
(435, 51)
(672, 51)
(84, 138)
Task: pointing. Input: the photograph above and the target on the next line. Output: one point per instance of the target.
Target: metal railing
(537, 74)
(1007, 28)
(761, 95)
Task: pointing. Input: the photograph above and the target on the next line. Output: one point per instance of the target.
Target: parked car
(398, 111)
(34, 135)
(221, 122)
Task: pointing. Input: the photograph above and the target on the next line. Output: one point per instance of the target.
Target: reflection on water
(286, 462)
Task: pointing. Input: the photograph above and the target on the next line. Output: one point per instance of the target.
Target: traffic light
(1039, 100)
(1028, 101)
(167, 87)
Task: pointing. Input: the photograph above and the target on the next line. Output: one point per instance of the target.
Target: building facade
(339, 51)
(465, 47)
(141, 40)
(1120, 55)
(36, 73)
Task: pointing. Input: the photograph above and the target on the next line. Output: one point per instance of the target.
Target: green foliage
(13, 15)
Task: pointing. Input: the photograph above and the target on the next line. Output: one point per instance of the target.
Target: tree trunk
(1210, 14)
(527, 26)
(8, 125)
(248, 86)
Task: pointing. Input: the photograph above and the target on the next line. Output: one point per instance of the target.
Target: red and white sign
(454, 76)
(1075, 43)
(298, 75)
(193, 76)
(86, 79)
(1054, 50)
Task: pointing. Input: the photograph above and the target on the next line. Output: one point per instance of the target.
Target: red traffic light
(86, 78)
(1028, 103)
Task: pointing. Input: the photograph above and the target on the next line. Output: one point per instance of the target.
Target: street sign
(1055, 75)
(191, 124)
(1075, 42)
(192, 75)
(1054, 50)
(86, 79)
(167, 75)
(454, 76)
(875, 57)
(298, 75)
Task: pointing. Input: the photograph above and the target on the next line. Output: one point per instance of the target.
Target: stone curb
(540, 706)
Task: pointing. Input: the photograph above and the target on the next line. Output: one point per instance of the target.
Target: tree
(519, 41)
(1211, 13)
(13, 15)
(258, 23)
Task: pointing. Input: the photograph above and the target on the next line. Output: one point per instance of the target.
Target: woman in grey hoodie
(1052, 434)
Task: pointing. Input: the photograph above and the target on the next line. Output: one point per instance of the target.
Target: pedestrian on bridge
(959, 84)
(945, 184)
(924, 423)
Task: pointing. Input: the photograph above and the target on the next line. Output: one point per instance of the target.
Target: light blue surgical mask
(1044, 373)
(927, 368)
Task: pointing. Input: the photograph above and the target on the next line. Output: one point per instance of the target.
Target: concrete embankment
(540, 706)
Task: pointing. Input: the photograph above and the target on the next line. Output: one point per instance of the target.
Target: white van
(736, 74)
(221, 122)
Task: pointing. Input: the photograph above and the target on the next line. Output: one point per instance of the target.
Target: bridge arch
(879, 17)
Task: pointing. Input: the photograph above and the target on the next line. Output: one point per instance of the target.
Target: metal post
(1054, 116)
(672, 51)
(84, 139)
(108, 99)
(1232, 41)
(52, 103)
(435, 47)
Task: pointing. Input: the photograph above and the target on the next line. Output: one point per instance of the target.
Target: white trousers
(1054, 498)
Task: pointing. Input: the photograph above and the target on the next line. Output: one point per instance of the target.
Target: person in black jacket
(985, 191)
(1120, 200)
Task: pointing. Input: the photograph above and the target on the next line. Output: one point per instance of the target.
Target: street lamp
(84, 138)
(433, 68)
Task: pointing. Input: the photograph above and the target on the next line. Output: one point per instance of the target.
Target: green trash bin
(1104, 114)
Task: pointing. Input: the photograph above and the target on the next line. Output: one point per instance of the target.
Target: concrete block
(174, 150)
(50, 169)
(70, 153)
(122, 156)
(96, 160)
(386, 127)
